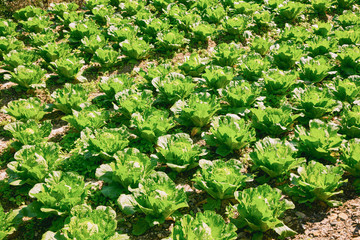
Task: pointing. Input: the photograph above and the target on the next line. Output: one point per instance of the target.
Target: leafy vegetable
(207, 225)
(320, 141)
(72, 96)
(129, 169)
(87, 223)
(197, 110)
(314, 102)
(229, 133)
(193, 65)
(30, 132)
(259, 210)
(135, 48)
(273, 121)
(34, 163)
(31, 76)
(350, 121)
(226, 54)
(217, 77)
(91, 117)
(25, 109)
(156, 196)
(69, 68)
(316, 182)
(151, 124)
(275, 157)
(220, 179)
(173, 87)
(179, 152)
(60, 192)
(115, 83)
(349, 157)
(130, 101)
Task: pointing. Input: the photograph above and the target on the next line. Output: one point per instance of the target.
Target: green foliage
(91, 44)
(91, 117)
(240, 94)
(129, 169)
(236, 25)
(106, 57)
(114, 84)
(291, 10)
(273, 121)
(60, 192)
(316, 182)
(28, 12)
(193, 65)
(32, 76)
(259, 210)
(349, 61)
(253, 67)
(8, 44)
(320, 141)
(226, 54)
(320, 46)
(275, 157)
(220, 179)
(102, 13)
(69, 68)
(314, 70)
(214, 14)
(321, 6)
(105, 141)
(30, 132)
(173, 87)
(314, 102)
(36, 24)
(350, 121)
(130, 101)
(286, 56)
(151, 124)
(279, 82)
(346, 90)
(72, 96)
(156, 196)
(6, 223)
(207, 225)
(41, 39)
(179, 152)
(218, 77)
(25, 109)
(53, 51)
(261, 45)
(197, 110)
(7, 27)
(171, 40)
(229, 133)
(122, 32)
(34, 163)
(59, 9)
(350, 157)
(81, 29)
(135, 48)
(87, 223)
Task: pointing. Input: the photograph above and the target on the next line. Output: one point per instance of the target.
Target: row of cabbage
(288, 94)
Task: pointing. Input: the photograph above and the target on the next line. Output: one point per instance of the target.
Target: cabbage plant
(130, 168)
(60, 192)
(275, 157)
(33, 163)
(197, 110)
(220, 179)
(84, 222)
(130, 101)
(218, 77)
(320, 141)
(350, 121)
(30, 132)
(91, 117)
(206, 225)
(229, 133)
(259, 210)
(25, 109)
(316, 182)
(157, 197)
(179, 152)
(31, 76)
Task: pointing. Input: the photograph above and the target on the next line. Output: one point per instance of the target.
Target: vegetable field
(182, 120)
